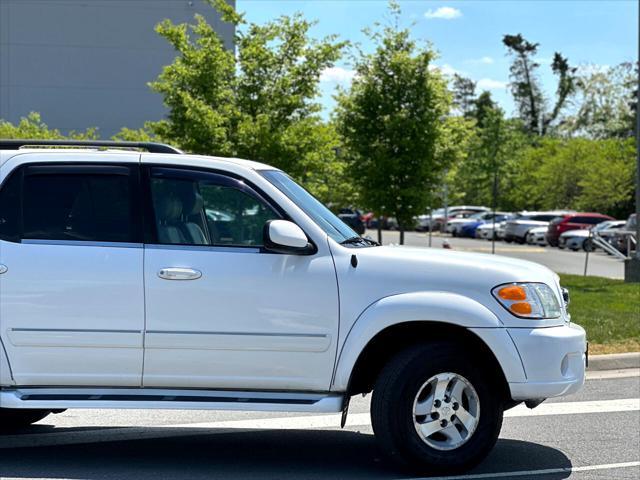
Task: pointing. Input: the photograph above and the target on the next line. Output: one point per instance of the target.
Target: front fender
(444, 307)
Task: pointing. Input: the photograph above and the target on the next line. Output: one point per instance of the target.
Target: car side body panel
(444, 307)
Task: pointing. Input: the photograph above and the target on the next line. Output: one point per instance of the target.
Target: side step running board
(60, 398)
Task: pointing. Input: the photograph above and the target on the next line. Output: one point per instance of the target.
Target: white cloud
(490, 84)
(445, 13)
(337, 75)
(482, 60)
(445, 69)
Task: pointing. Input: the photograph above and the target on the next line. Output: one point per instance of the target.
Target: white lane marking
(527, 473)
(569, 408)
(605, 374)
(304, 422)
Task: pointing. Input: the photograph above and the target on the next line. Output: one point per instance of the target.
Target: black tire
(11, 419)
(392, 409)
(588, 245)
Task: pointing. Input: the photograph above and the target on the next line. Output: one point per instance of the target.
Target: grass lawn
(609, 310)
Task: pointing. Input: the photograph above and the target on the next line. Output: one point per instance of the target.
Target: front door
(221, 312)
(71, 295)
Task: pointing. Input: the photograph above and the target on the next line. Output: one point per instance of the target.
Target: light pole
(632, 265)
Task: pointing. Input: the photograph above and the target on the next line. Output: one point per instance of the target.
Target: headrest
(168, 208)
(192, 204)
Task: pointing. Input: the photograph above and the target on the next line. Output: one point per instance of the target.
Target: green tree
(464, 94)
(32, 127)
(260, 104)
(391, 120)
(606, 98)
(485, 176)
(578, 173)
(525, 84)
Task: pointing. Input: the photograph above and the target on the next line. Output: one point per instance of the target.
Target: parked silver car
(516, 230)
(582, 239)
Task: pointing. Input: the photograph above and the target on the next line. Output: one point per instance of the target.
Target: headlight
(528, 300)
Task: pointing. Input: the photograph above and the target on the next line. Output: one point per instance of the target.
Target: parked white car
(537, 236)
(437, 217)
(454, 226)
(118, 290)
(516, 230)
(581, 239)
(486, 230)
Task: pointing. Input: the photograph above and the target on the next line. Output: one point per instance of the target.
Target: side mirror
(283, 236)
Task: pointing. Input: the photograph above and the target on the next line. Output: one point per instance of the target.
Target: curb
(615, 361)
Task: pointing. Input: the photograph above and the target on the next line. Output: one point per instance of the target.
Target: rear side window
(73, 202)
(544, 218)
(588, 220)
(83, 207)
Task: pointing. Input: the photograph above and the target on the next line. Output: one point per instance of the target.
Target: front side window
(72, 204)
(198, 208)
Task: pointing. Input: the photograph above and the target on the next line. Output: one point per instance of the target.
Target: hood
(397, 269)
(392, 270)
(576, 233)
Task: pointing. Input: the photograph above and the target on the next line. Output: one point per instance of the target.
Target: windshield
(321, 215)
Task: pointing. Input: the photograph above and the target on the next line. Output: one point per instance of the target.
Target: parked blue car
(469, 229)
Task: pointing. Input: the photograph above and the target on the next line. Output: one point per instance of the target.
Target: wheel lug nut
(456, 405)
(435, 415)
(437, 403)
(453, 417)
(444, 423)
(447, 399)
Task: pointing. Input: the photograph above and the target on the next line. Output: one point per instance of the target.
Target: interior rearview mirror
(283, 236)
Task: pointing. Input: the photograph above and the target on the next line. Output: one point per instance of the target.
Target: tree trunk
(401, 235)
(380, 230)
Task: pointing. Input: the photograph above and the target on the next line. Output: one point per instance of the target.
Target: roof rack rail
(151, 147)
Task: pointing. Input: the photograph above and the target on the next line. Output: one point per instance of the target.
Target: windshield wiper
(357, 240)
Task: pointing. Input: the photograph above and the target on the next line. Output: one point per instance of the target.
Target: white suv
(153, 279)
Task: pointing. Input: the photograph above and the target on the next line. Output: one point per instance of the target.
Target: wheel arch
(397, 322)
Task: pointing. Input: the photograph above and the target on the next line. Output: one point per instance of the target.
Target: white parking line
(303, 422)
(527, 473)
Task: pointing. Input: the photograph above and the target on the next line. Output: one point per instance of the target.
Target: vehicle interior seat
(168, 220)
(192, 206)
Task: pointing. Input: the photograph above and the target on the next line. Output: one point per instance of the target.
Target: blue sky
(467, 34)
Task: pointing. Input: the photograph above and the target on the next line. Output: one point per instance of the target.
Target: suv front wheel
(434, 409)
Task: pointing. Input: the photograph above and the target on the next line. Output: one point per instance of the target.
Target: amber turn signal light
(512, 292)
(521, 308)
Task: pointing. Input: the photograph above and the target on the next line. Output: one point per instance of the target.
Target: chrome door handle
(3, 269)
(179, 274)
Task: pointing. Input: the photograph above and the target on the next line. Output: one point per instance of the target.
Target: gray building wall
(86, 63)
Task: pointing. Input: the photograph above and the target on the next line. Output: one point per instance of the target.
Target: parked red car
(575, 221)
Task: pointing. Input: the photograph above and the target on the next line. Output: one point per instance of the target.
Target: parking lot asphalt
(561, 261)
(594, 434)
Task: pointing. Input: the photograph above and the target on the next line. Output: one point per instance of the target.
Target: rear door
(71, 298)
